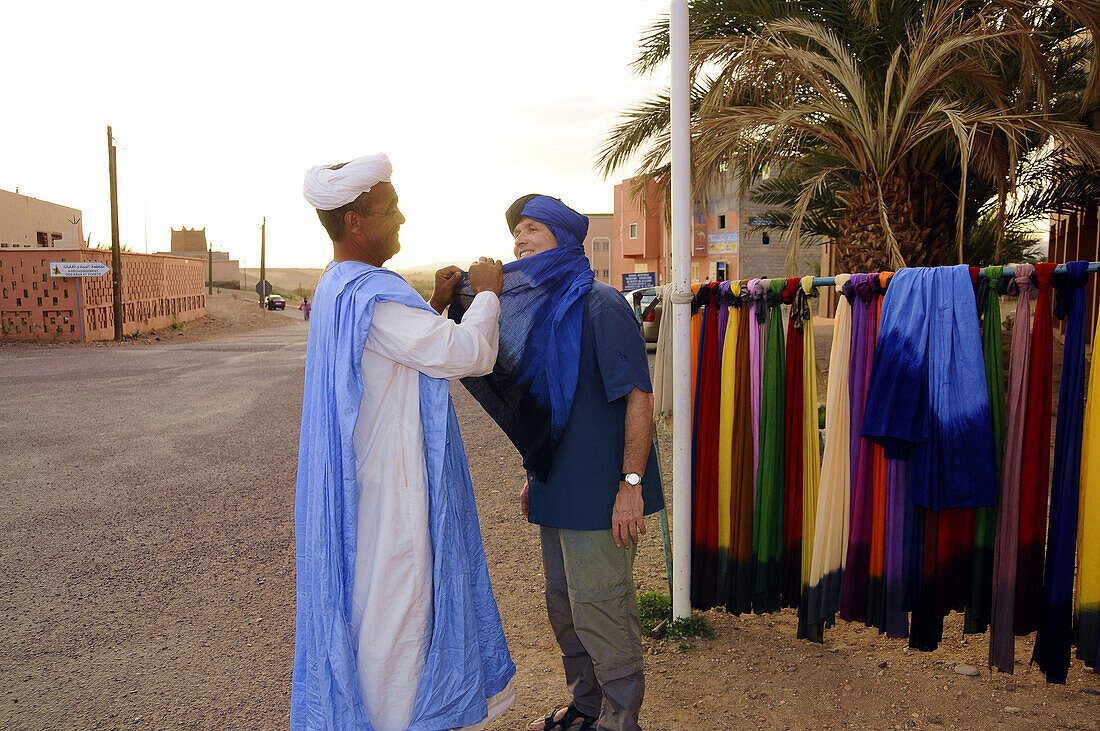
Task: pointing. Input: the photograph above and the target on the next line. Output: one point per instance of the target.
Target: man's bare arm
(627, 516)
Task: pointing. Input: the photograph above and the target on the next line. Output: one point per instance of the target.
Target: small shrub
(689, 627)
(653, 608)
(176, 326)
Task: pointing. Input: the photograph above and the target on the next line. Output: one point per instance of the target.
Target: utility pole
(263, 245)
(210, 268)
(116, 247)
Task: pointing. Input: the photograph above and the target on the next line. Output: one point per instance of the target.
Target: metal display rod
(1007, 274)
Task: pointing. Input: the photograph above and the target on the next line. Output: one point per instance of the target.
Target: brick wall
(156, 291)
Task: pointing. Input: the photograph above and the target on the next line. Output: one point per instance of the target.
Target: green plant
(689, 627)
(176, 326)
(821, 416)
(653, 608)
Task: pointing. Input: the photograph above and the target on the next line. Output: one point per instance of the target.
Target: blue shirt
(580, 491)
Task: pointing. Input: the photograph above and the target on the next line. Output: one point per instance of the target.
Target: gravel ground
(147, 565)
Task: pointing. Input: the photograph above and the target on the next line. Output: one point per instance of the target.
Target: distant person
(305, 308)
(572, 391)
(397, 624)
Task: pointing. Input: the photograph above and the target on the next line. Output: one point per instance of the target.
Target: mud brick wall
(157, 291)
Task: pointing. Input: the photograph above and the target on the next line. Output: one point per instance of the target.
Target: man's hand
(487, 275)
(627, 516)
(523, 497)
(446, 279)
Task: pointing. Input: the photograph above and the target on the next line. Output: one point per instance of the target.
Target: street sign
(639, 280)
(78, 269)
(264, 288)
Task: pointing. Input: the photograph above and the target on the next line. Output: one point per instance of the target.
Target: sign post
(78, 269)
(264, 288)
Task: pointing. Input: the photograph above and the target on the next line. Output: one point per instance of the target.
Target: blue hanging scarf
(927, 399)
(468, 659)
(1052, 643)
(530, 391)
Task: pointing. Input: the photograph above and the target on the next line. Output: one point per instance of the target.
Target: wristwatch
(631, 478)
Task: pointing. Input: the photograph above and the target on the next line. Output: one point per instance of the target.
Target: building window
(43, 239)
(722, 223)
(633, 230)
(765, 239)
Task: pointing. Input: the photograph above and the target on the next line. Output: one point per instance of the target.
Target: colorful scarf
(821, 600)
(1002, 646)
(1035, 467)
(767, 542)
(1052, 643)
(1086, 618)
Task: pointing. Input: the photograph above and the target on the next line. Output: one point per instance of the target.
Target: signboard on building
(639, 280)
(78, 269)
(722, 243)
(756, 221)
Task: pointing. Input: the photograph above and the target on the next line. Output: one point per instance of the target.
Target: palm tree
(895, 121)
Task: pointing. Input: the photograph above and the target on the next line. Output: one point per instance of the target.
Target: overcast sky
(218, 108)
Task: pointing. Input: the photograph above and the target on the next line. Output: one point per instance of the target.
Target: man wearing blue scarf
(571, 389)
(397, 625)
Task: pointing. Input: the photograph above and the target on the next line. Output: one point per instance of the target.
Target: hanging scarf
(1002, 646)
(792, 446)
(811, 442)
(739, 583)
(853, 602)
(662, 367)
(530, 392)
(704, 553)
(729, 405)
(1035, 467)
(1053, 639)
(985, 520)
(767, 540)
(696, 333)
(467, 660)
(1086, 619)
(756, 365)
(821, 600)
(928, 387)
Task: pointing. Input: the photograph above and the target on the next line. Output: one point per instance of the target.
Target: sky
(218, 108)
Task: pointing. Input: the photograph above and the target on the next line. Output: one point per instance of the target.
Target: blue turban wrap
(530, 391)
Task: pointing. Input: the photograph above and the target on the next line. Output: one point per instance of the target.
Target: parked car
(646, 304)
(275, 302)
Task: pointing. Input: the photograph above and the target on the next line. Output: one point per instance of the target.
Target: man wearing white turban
(397, 625)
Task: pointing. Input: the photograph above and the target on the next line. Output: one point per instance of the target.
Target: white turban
(328, 187)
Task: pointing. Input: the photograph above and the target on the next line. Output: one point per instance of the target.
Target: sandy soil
(228, 592)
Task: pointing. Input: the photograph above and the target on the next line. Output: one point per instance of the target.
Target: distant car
(275, 302)
(646, 304)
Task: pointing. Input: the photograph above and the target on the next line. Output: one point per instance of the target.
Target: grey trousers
(594, 614)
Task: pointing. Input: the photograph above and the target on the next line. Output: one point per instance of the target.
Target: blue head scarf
(530, 391)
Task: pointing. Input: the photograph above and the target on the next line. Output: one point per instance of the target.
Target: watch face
(633, 478)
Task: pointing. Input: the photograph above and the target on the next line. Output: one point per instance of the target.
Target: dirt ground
(196, 630)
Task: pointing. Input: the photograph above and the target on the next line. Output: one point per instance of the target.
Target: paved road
(134, 477)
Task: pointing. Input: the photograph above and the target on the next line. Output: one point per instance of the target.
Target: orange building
(725, 244)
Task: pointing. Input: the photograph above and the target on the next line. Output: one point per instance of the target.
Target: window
(633, 230)
(765, 239)
(43, 239)
(722, 223)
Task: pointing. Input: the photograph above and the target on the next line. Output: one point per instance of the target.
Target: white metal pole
(681, 311)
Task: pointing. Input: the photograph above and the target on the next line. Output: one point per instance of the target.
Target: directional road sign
(264, 288)
(78, 268)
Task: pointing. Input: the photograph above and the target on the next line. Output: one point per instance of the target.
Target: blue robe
(467, 660)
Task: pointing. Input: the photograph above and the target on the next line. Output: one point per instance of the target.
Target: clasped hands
(486, 275)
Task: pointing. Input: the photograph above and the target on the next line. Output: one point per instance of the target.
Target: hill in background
(294, 283)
